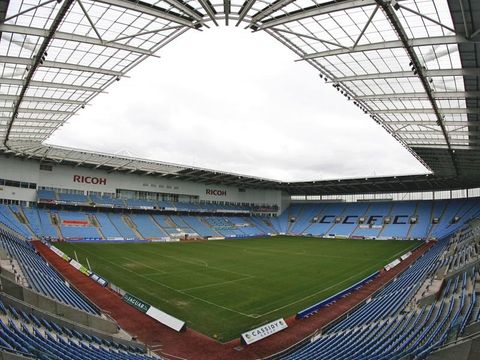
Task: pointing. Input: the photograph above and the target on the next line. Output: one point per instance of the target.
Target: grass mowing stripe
(222, 288)
(142, 264)
(364, 274)
(173, 289)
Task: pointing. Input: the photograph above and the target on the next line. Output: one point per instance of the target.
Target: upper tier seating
(107, 201)
(339, 219)
(73, 198)
(46, 195)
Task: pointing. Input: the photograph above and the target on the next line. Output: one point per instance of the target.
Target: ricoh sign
(91, 180)
(216, 192)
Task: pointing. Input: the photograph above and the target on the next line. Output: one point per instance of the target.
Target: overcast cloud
(231, 100)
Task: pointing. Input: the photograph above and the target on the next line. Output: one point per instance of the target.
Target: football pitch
(225, 287)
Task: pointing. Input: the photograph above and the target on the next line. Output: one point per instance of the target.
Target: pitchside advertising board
(159, 315)
(264, 331)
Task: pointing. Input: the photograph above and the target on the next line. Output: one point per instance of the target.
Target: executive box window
(46, 167)
(17, 184)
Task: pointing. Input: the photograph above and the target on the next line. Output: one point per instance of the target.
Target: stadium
(106, 256)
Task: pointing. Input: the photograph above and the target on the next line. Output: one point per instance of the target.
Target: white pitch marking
(328, 288)
(176, 290)
(195, 262)
(157, 270)
(218, 284)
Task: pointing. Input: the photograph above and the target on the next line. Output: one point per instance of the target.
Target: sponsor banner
(136, 302)
(98, 279)
(166, 319)
(102, 282)
(60, 253)
(47, 201)
(80, 267)
(264, 331)
(216, 192)
(315, 307)
(93, 180)
(76, 222)
(392, 264)
(227, 211)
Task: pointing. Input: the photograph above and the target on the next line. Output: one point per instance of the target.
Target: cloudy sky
(231, 100)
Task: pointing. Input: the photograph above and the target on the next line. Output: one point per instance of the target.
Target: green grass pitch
(223, 288)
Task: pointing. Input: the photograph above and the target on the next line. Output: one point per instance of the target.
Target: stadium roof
(413, 65)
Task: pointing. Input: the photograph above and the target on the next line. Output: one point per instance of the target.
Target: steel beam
(41, 99)
(32, 128)
(429, 123)
(45, 84)
(62, 12)
(317, 10)
(247, 5)
(58, 65)
(418, 65)
(209, 9)
(36, 111)
(403, 74)
(394, 44)
(24, 30)
(447, 111)
(419, 95)
(33, 120)
(276, 5)
(150, 10)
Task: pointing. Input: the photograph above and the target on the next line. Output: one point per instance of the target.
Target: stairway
(94, 222)
(132, 226)
(56, 225)
(364, 215)
(384, 226)
(20, 216)
(162, 230)
(412, 225)
(207, 224)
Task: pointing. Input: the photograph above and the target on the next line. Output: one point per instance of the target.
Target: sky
(236, 101)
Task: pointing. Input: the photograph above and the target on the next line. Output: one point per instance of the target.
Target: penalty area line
(218, 284)
(176, 290)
